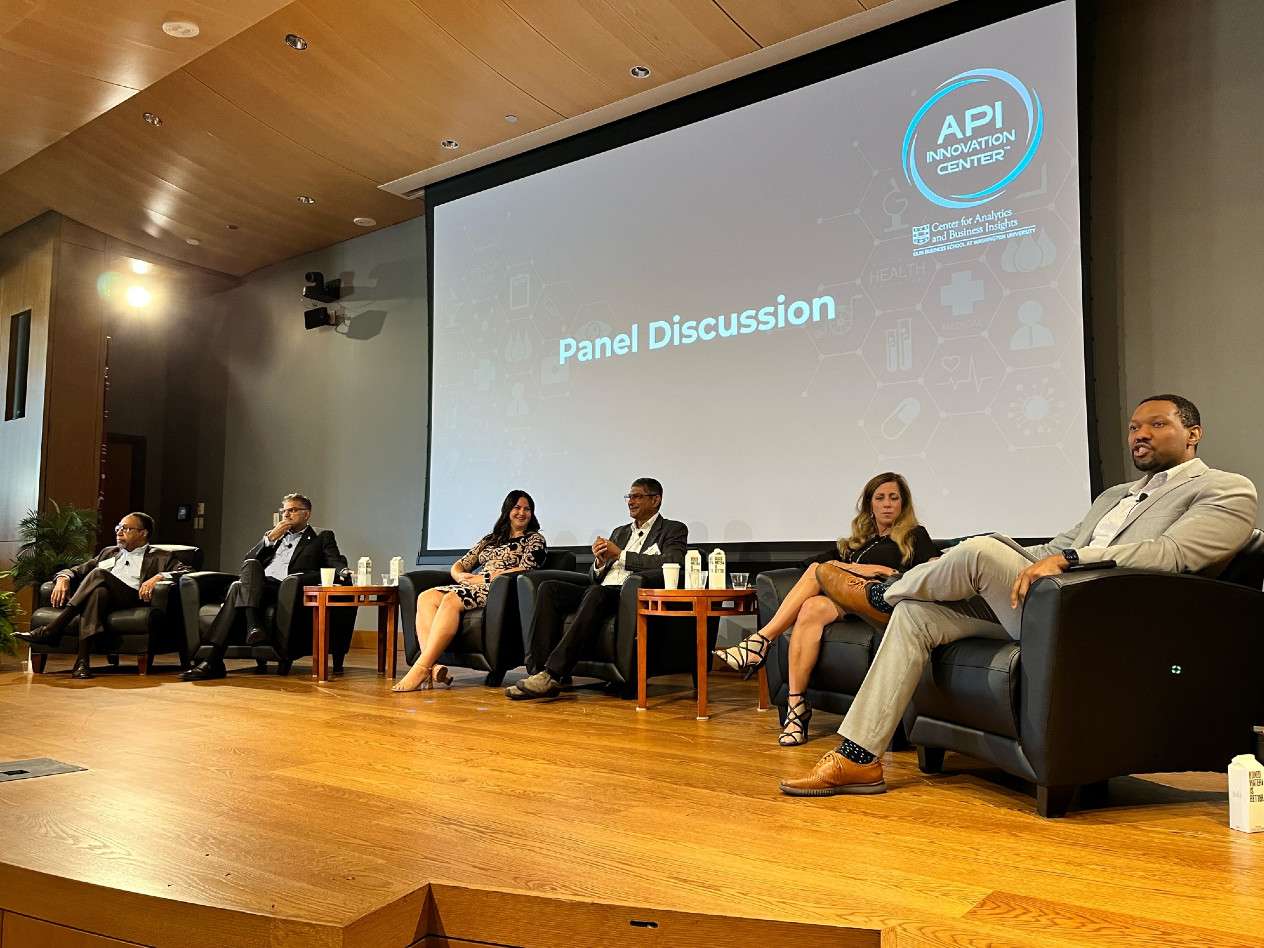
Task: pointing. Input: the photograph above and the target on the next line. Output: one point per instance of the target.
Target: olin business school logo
(975, 135)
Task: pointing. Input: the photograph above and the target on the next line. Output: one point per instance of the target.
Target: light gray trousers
(932, 608)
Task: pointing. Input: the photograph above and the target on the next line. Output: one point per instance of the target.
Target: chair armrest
(45, 597)
(1138, 671)
(772, 587)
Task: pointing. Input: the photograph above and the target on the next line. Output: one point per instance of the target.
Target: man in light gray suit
(1181, 517)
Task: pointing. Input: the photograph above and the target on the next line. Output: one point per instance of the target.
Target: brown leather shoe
(850, 592)
(835, 774)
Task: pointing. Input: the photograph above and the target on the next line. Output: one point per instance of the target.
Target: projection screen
(877, 271)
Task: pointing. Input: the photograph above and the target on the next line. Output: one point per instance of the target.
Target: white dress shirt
(618, 571)
(1117, 518)
(279, 567)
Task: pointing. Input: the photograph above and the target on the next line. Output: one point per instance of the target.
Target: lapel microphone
(1141, 498)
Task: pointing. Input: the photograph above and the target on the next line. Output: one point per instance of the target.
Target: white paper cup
(671, 576)
(327, 575)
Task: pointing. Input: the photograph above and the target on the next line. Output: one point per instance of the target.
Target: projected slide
(880, 271)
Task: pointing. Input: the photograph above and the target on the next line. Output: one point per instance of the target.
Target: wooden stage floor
(268, 811)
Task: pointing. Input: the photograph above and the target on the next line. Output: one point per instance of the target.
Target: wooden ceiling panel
(774, 22)
(64, 62)
(378, 88)
(496, 34)
(16, 206)
(674, 38)
(123, 43)
(208, 166)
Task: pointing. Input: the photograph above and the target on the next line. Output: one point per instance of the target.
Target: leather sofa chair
(611, 655)
(1117, 672)
(156, 628)
(490, 639)
(288, 621)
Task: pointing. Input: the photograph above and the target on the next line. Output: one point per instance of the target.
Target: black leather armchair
(288, 621)
(490, 639)
(611, 655)
(1117, 672)
(144, 631)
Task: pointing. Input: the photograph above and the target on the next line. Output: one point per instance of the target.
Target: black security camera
(319, 290)
(321, 316)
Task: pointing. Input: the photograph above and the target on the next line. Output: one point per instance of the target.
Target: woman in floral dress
(514, 545)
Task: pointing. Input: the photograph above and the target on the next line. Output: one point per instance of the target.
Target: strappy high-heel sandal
(439, 675)
(745, 657)
(425, 684)
(798, 716)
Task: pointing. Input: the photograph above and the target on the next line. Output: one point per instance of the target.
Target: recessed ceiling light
(294, 41)
(153, 119)
(640, 72)
(139, 267)
(181, 29)
(451, 144)
(230, 226)
(364, 222)
(511, 119)
(192, 241)
(306, 199)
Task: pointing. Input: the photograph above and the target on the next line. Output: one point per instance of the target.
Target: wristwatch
(1072, 556)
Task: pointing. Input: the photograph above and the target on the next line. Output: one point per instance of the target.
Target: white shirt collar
(646, 527)
(139, 551)
(1159, 478)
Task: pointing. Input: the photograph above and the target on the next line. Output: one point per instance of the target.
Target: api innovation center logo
(976, 150)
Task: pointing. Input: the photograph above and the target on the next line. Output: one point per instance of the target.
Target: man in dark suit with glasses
(645, 544)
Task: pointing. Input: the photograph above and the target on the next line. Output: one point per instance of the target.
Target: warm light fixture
(640, 72)
(364, 222)
(451, 144)
(192, 241)
(294, 41)
(153, 119)
(511, 119)
(137, 297)
(230, 226)
(306, 199)
(181, 29)
(139, 267)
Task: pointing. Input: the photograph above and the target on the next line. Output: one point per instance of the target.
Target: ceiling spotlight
(511, 119)
(152, 118)
(306, 199)
(192, 241)
(137, 296)
(451, 144)
(364, 222)
(181, 29)
(640, 72)
(294, 41)
(230, 226)
(139, 267)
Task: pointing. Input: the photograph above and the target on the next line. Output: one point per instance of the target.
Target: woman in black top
(885, 538)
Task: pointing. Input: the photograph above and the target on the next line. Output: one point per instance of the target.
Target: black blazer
(151, 564)
(672, 537)
(314, 551)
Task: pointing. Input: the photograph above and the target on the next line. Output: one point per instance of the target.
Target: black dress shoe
(338, 660)
(257, 636)
(205, 671)
(38, 637)
(81, 670)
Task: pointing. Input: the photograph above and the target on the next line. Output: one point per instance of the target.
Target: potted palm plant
(52, 540)
(8, 620)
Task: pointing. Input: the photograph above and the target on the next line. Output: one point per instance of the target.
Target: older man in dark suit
(291, 546)
(119, 577)
(645, 544)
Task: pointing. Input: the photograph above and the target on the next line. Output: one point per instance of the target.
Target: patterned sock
(855, 753)
(877, 593)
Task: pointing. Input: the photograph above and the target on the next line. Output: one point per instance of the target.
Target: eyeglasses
(286, 510)
(122, 529)
(639, 496)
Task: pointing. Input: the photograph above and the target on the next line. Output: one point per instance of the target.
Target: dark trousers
(100, 593)
(253, 590)
(554, 649)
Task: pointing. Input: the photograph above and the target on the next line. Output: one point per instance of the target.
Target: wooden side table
(324, 598)
(702, 604)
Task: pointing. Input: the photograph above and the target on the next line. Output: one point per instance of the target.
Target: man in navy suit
(292, 546)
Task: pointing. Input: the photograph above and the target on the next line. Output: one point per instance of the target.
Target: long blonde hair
(864, 528)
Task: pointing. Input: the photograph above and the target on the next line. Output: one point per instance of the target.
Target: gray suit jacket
(672, 537)
(1196, 526)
